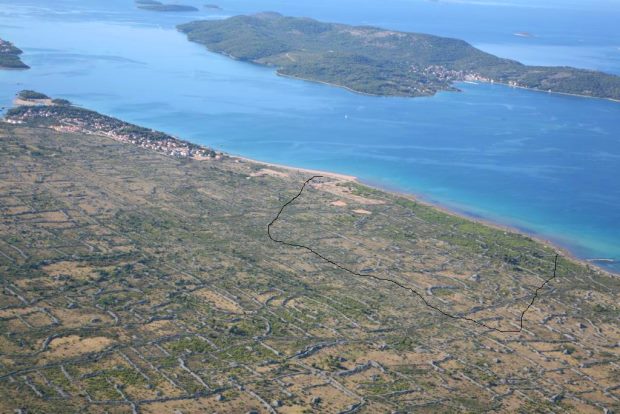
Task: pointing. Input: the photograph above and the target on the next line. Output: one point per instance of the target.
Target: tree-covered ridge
(9, 56)
(28, 94)
(381, 62)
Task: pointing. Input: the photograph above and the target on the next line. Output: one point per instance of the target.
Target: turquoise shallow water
(547, 164)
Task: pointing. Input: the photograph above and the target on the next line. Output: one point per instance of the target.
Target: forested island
(154, 5)
(381, 62)
(9, 56)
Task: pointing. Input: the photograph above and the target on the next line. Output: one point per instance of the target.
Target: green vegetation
(381, 62)
(191, 344)
(31, 95)
(61, 102)
(9, 56)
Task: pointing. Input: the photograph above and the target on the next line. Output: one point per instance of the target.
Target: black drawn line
(400, 285)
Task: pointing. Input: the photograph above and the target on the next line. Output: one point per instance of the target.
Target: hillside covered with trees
(381, 62)
(9, 56)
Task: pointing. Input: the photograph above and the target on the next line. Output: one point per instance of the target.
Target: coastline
(335, 85)
(338, 176)
(419, 198)
(349, 89)
(13, 68)
(561, 250)
(446, 209)
(553, 92)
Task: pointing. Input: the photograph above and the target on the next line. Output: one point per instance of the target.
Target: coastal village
(441, 73)
(42, 111)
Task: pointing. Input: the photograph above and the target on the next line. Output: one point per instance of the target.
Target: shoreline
(419, 198)
(335, 85)
(338, 176)
(561, 250)
(349, 89)
(446, 209)
(576, 95)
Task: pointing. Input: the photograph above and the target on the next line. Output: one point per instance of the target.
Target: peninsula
(37, 109)
(381, 62)
(9, 56)
(138, 282)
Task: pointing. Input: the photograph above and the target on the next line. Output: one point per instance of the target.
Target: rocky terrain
(136, 282)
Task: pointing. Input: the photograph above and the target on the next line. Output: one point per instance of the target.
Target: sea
(546, 164)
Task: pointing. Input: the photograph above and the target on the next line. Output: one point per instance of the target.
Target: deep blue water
(547, 164)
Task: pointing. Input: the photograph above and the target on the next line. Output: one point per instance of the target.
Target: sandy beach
(337, 176)
(31, 102)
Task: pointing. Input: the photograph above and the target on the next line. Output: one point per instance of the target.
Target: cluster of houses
(448, 75)
(77, 120)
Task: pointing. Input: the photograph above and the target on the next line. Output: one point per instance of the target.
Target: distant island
(523, 34)
(213, 6)
(33, 98)
(381, 62)
(9, 56)
(39, 110)
(154, 5)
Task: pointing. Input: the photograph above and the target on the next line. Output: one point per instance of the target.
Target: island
(381, 62)
(9, 56)
(154, 5)
(29, 97)
(213, 6)
(33, 98)
(133, 281)
(523, 34)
